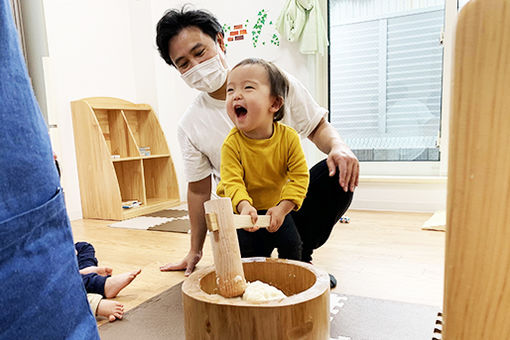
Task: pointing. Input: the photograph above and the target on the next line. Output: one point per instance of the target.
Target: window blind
(385, 85)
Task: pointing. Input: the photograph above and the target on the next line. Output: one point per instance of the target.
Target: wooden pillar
(225, 247)
(477, 271)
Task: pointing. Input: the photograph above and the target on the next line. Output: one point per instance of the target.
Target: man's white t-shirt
(205, 124)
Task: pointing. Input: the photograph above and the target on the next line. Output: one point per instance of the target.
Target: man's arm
(327, 139)
(198, 193)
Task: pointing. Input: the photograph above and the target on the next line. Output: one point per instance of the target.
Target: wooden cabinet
(109, 134)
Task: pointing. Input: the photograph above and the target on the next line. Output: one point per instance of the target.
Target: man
(192, 41)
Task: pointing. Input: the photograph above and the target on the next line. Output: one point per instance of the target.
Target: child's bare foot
(103, 271)
(114, 284)
(110, 309)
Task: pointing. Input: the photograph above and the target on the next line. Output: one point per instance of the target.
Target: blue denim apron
(41, 292)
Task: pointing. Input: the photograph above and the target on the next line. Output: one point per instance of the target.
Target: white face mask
(207, 76)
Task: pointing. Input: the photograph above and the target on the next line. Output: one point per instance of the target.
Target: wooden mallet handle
(240, 221)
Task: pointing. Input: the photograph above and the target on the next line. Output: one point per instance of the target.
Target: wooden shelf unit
(104, 127)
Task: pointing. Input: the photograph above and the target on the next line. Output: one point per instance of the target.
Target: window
(386, 65)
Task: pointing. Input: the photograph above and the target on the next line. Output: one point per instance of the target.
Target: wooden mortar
(304, 314)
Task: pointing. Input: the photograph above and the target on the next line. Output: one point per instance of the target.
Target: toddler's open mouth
(240, 110)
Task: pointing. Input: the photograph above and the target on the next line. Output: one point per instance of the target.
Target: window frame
(403, 168)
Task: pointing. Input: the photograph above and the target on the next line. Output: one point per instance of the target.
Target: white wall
(90, 54)
(107, 48)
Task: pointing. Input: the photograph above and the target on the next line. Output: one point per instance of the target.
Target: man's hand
(340, 156)
(188, 263)
(343, 158)
(245, 208)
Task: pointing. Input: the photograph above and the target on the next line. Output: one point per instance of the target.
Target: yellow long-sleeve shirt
(263, 171)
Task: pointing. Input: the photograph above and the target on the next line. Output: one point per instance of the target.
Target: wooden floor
(378, 254)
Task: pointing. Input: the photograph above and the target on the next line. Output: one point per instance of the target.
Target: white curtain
(18, 21)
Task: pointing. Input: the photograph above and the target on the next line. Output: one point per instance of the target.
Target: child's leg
(94, 283)
(254, 244)
(108, 286)
(288, 241)
(93, 300)
(86, 255)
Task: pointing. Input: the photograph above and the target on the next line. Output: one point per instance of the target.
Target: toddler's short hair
(277, 81)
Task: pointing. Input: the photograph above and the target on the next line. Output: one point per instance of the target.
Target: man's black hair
(175, 20)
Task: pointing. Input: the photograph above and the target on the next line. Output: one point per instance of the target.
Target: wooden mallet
(222, 223)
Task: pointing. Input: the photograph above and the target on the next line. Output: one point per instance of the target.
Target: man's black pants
(323, 206)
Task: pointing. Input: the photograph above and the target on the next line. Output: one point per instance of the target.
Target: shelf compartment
(130, 179)
(146, 131)
(159, 179)
(116, 133)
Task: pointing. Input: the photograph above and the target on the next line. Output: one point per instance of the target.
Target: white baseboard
(399, 206)
(400, 196)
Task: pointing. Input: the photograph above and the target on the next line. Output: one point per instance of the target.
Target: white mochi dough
(259, 292)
